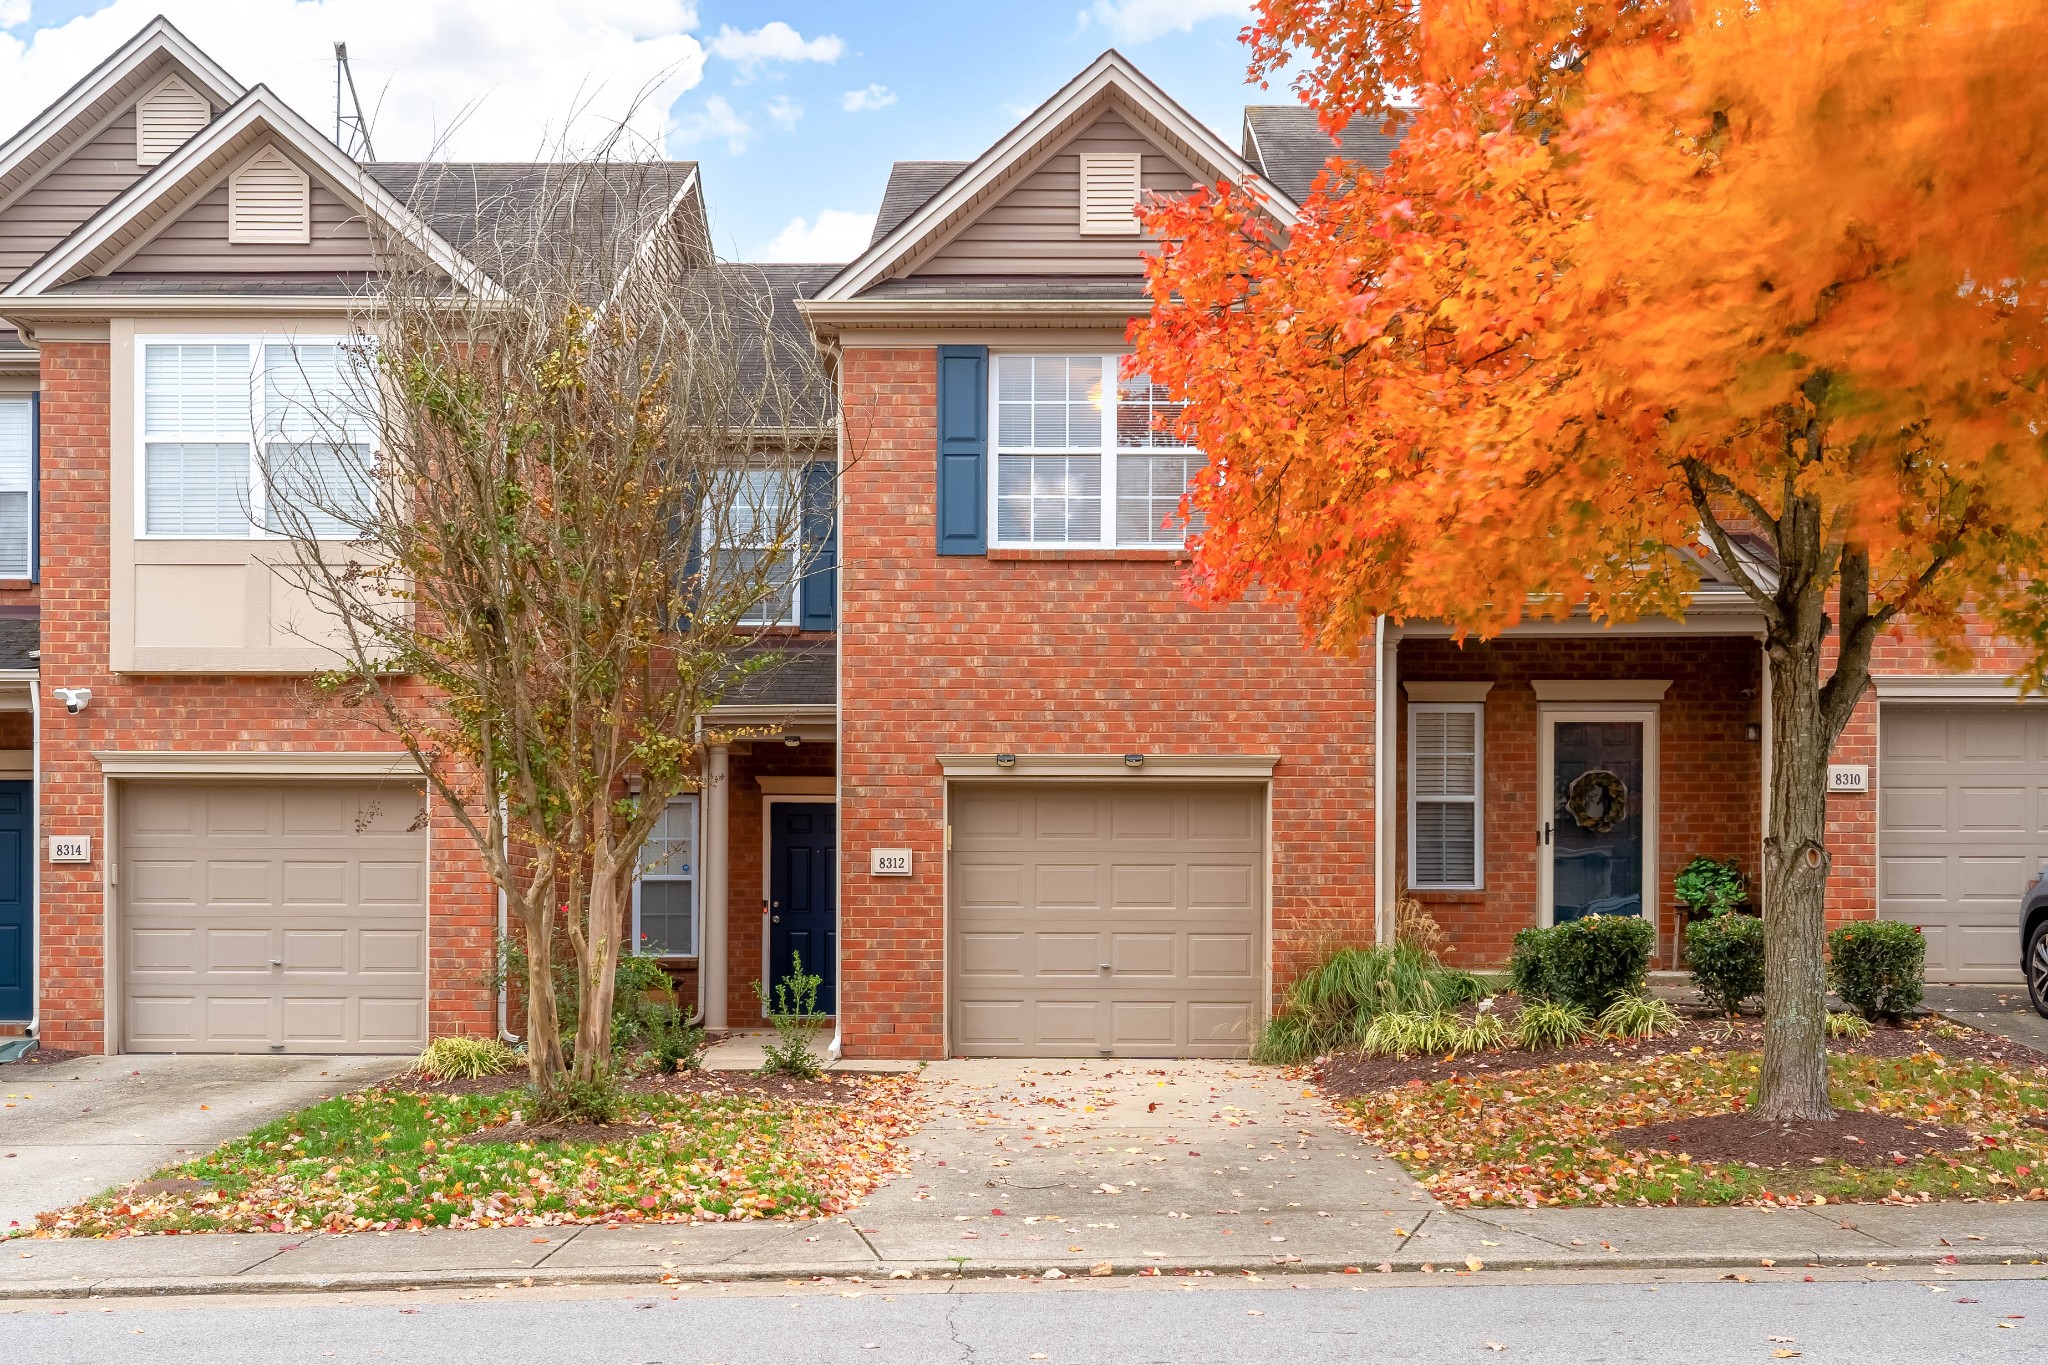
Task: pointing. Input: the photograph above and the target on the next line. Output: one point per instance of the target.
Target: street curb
(656, 1278)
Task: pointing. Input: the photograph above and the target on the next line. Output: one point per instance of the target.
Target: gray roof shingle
(806, 673)
(1289, 147)
(20, 638)
(911, 186)
(767, 293)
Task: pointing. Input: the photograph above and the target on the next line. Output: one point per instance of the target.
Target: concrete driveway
(1995, 1009)
(1171, 1161)
(70, 1129)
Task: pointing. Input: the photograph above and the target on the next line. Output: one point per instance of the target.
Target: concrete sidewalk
(1941, 1238)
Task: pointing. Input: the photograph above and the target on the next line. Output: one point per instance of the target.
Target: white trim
(1068, 767)
(714, 857)
(159, 35)
(1947, 687)
(1447, 691)
(1110, 71)
(190, 765)
(1547, 715)
(695, 879)
(1386, 649)
(258, 108)
(768, 805)
(1477, 801)
(1601, 689)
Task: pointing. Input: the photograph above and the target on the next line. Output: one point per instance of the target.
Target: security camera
(75, 699)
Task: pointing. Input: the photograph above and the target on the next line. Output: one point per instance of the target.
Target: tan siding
(1035, 229)
(196, 241)
(74, 190)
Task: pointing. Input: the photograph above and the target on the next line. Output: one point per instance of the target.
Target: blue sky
(795, 107)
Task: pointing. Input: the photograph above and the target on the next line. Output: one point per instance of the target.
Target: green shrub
(1878, 967)
(1638, 1016)
(1332, 1006)
(792, 1007)
(1587, 962)
(1843, 1024)
(1726, 954)
(1546, 1024)
(1406, 1033)
(464, 1059)
(1711, 886)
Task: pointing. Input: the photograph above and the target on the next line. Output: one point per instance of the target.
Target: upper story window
(251, 436)
(17, 485)
(665, 895)
(754, 539)
(1085, 457)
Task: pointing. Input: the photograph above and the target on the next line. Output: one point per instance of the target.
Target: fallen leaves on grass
(389, 1159)
(1544, 1136)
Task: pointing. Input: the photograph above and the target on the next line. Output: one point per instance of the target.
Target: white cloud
(717, 119)
(783, 112)
(773, 42)
(834, 235)
(511, 73)
(873, 97)
(13, 13)
(1139, 21)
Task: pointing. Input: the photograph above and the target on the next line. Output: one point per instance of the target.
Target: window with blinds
(17, 485)
(665, 895)
(246, 437)
(1445, 764)
(1085, 456)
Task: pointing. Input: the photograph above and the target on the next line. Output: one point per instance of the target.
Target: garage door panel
(1111, 876)
(247, 927)
(1962, 829)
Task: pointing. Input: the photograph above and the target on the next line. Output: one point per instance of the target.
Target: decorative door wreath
(1597, 799)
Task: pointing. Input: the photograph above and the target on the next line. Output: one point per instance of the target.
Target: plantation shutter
(1443, 795)
(818, 609)
(17, 482)
(963, 450)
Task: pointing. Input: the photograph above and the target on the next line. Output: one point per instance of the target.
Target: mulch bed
(45, 1056)
(1855, 1137)
(558, 1132)
(1349, 1074)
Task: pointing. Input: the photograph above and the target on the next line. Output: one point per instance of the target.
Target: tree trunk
(605, 931)
(1794, 1084)
(545, 1066)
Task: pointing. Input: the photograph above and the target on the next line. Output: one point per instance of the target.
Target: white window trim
(1477, 710)
(696, 895)
(27, 573)
(255, 341)
(1106, 449)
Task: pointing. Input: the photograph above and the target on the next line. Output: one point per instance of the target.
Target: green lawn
(1538, 1136)
(390, 1158)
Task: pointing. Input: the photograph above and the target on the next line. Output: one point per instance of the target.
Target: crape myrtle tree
(1647, 284)
(537, 525)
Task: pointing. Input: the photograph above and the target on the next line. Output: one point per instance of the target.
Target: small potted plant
(1711, 886)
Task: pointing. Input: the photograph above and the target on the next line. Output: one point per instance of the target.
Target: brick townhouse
(1012, 793)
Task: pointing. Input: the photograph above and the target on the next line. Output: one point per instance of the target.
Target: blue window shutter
(819, 609)
(963, 450)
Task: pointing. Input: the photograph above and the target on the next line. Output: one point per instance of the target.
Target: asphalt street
(1865, 1321)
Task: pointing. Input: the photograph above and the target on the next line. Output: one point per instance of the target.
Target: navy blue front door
(803, 893)
(1596, 818)
(17, 908)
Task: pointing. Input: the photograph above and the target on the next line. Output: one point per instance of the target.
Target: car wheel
(2037, 970)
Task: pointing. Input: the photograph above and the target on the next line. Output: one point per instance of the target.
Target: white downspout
(505, 1033)
(1384, 708)
(35, 856)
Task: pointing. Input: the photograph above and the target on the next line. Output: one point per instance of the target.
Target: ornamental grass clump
(1546, 1024)
(1843, 1024)
(1638, 1016)
(1331, 1006)
(1429, 1032)
(1878, 967)
(463, 1059)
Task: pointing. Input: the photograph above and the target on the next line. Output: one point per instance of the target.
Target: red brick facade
(1076, 655)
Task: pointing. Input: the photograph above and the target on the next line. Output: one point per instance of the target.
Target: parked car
(2034, 942)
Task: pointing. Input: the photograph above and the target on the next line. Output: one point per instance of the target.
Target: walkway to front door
(1117, 1161)
(803, 897)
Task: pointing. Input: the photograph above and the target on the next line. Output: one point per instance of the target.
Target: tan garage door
(273, 917)
(1962, 805)
(1119, 919)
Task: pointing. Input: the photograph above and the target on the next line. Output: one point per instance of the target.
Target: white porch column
(711, 952)
(1385, 805)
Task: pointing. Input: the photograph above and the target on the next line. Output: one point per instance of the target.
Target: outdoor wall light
(1134, 760)
(1006, 760)
(1753, 732)
(791, 741)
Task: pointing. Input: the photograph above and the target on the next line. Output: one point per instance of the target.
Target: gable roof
(1109, 78)
(158, 48)
(135, 214)
(1289, 146)
(461, 199)
(911, 186)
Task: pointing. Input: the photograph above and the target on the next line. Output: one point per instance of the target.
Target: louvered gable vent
(1109, 193)
(165, 118)
(269, 202)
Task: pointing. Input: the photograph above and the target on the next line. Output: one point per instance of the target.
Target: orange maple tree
(1647, 284)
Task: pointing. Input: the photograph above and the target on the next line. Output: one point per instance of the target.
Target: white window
(665, 893)
(1077, 467)
(1445, 766)
(753, 538)
(252, 436)
(17, 484)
